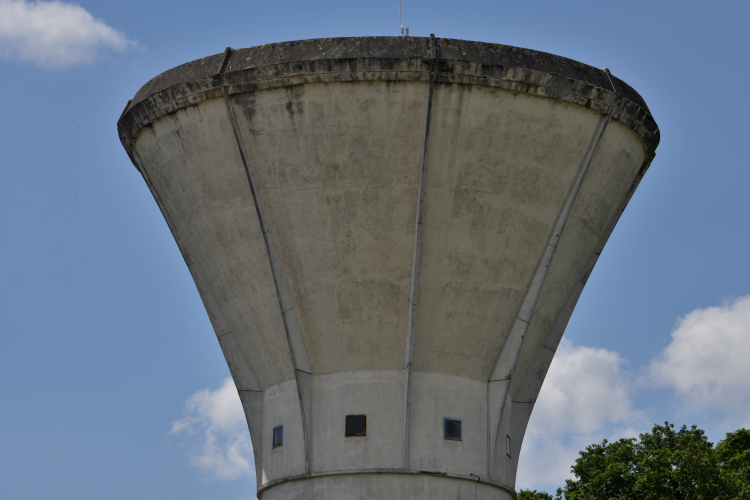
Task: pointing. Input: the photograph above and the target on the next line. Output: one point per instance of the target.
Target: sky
(112, 381)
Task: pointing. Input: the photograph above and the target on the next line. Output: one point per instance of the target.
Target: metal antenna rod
(401, 30)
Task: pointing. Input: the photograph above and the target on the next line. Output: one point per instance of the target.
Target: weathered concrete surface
(613, 169)
(289, 175)
(204, 191)
(437, 396)
(495, 182)
(341, 207)
(375, 394)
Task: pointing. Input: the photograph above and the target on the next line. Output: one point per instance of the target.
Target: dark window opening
(452, 429)
(507, 444)
(356, 425)
(278, 436)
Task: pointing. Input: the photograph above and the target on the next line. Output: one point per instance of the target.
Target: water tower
(389, 235)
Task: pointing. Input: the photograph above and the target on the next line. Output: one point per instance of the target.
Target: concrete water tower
(389, 235)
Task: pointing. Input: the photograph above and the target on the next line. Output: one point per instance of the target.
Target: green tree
(604, 471)
(679, 465)
(733, 456)
(533, 495)
(664, 464)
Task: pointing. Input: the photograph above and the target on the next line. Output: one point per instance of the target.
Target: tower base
(404, 485)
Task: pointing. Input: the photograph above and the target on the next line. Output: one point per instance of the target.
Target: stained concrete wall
(315, 188)
(201, 183)
(341, 207)
(379, 395)
(495, 182)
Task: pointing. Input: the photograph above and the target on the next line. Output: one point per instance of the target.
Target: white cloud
(223, 449)
(708, 360)
(585, 398)
(54, 34)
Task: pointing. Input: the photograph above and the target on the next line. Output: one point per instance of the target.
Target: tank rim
(386, 58)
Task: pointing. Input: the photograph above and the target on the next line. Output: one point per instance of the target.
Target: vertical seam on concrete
(563, 315)
(417, 245)
(516, 334)
(490, 444)
(282, 292)
(561, 321)
(528, 304)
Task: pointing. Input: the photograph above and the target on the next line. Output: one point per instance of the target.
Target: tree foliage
(664, 464)
(733, 455)
(534, 495)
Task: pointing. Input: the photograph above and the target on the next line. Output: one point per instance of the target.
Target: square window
(507, 444)
(278, 436)
(356, 425)
(452, 429)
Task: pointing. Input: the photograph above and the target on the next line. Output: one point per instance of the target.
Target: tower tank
(389, 235)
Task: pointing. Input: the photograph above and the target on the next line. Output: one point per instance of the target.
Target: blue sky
(112, 382)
